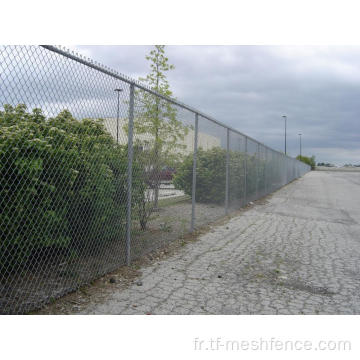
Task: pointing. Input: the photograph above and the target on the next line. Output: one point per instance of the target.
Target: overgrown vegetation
(158, 134)
(307, 160)
(325, 164)
(210, 175)
(63, 185)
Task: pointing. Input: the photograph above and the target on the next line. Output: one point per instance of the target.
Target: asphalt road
(297, 253)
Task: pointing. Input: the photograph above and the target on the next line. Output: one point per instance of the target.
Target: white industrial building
(205, 141)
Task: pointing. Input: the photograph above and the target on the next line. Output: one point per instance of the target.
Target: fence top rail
(111, 72)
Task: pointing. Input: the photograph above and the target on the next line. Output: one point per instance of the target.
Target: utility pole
(300, 144)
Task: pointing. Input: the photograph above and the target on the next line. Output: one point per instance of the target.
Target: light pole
(117, 113)
(300, 145)
(284, 116)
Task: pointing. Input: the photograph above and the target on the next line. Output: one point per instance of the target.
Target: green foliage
(143, 199)
(210, 180)
(157, 131)
(307, 160)
(210, 175)
(156, 118)
(63, 184)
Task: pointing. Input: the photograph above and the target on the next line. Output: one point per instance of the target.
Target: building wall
(205, 141)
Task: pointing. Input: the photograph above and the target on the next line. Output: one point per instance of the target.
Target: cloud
(251, 87)
(247, 87)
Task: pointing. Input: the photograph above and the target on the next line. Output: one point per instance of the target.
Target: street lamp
(284, 116)
(300, 145)
(117, 115)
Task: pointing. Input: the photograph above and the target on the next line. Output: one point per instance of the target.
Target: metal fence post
(193, 192)
(129, 174)
(227, 171)
(245, 172)
(265, 171)
(117, 113)
(257, 170)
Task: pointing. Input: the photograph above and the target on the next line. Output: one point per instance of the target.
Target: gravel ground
(171, 222)
(296, 254)
(55, 278)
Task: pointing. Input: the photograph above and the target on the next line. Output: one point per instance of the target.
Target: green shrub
(210, 180)
(307, 160)
(63, 184)
(210, 175)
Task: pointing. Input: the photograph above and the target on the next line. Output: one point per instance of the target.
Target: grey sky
(251, 87)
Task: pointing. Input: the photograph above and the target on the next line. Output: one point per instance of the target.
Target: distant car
(165, 174)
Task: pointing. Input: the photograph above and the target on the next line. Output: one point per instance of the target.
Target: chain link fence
(97, 170)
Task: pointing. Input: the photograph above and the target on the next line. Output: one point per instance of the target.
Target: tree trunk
(156, 155)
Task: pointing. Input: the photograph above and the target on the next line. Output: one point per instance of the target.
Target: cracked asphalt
(297, 253)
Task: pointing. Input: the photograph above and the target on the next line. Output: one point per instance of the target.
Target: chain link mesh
(65, 216)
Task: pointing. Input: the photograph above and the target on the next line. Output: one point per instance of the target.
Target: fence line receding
(98, 170)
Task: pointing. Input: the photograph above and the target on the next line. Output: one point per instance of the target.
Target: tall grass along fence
(97, 170)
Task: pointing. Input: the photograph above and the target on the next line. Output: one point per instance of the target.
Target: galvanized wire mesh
(97, 170)
(237, 172)
(210, 172)
(163, 137)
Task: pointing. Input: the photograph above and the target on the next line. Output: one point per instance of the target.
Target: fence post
(257, 170)
(129, 174)
(265, 171)
(227, 171)
(245, 172)
(193, 190)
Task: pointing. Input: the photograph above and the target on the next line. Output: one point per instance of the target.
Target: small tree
(158, 134)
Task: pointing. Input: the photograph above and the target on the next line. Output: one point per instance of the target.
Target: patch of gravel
(99, 290)
(53, 278)
(173, 221)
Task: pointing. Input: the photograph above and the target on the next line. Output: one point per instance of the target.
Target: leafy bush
(210, 180)
(210, 175)
(307, 160)
(63, 184)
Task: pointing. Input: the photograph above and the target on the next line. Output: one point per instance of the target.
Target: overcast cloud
(251, 87)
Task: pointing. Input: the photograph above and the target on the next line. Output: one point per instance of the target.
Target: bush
(210, 175)
(210, 180)
(63, 184)
(307, 160)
